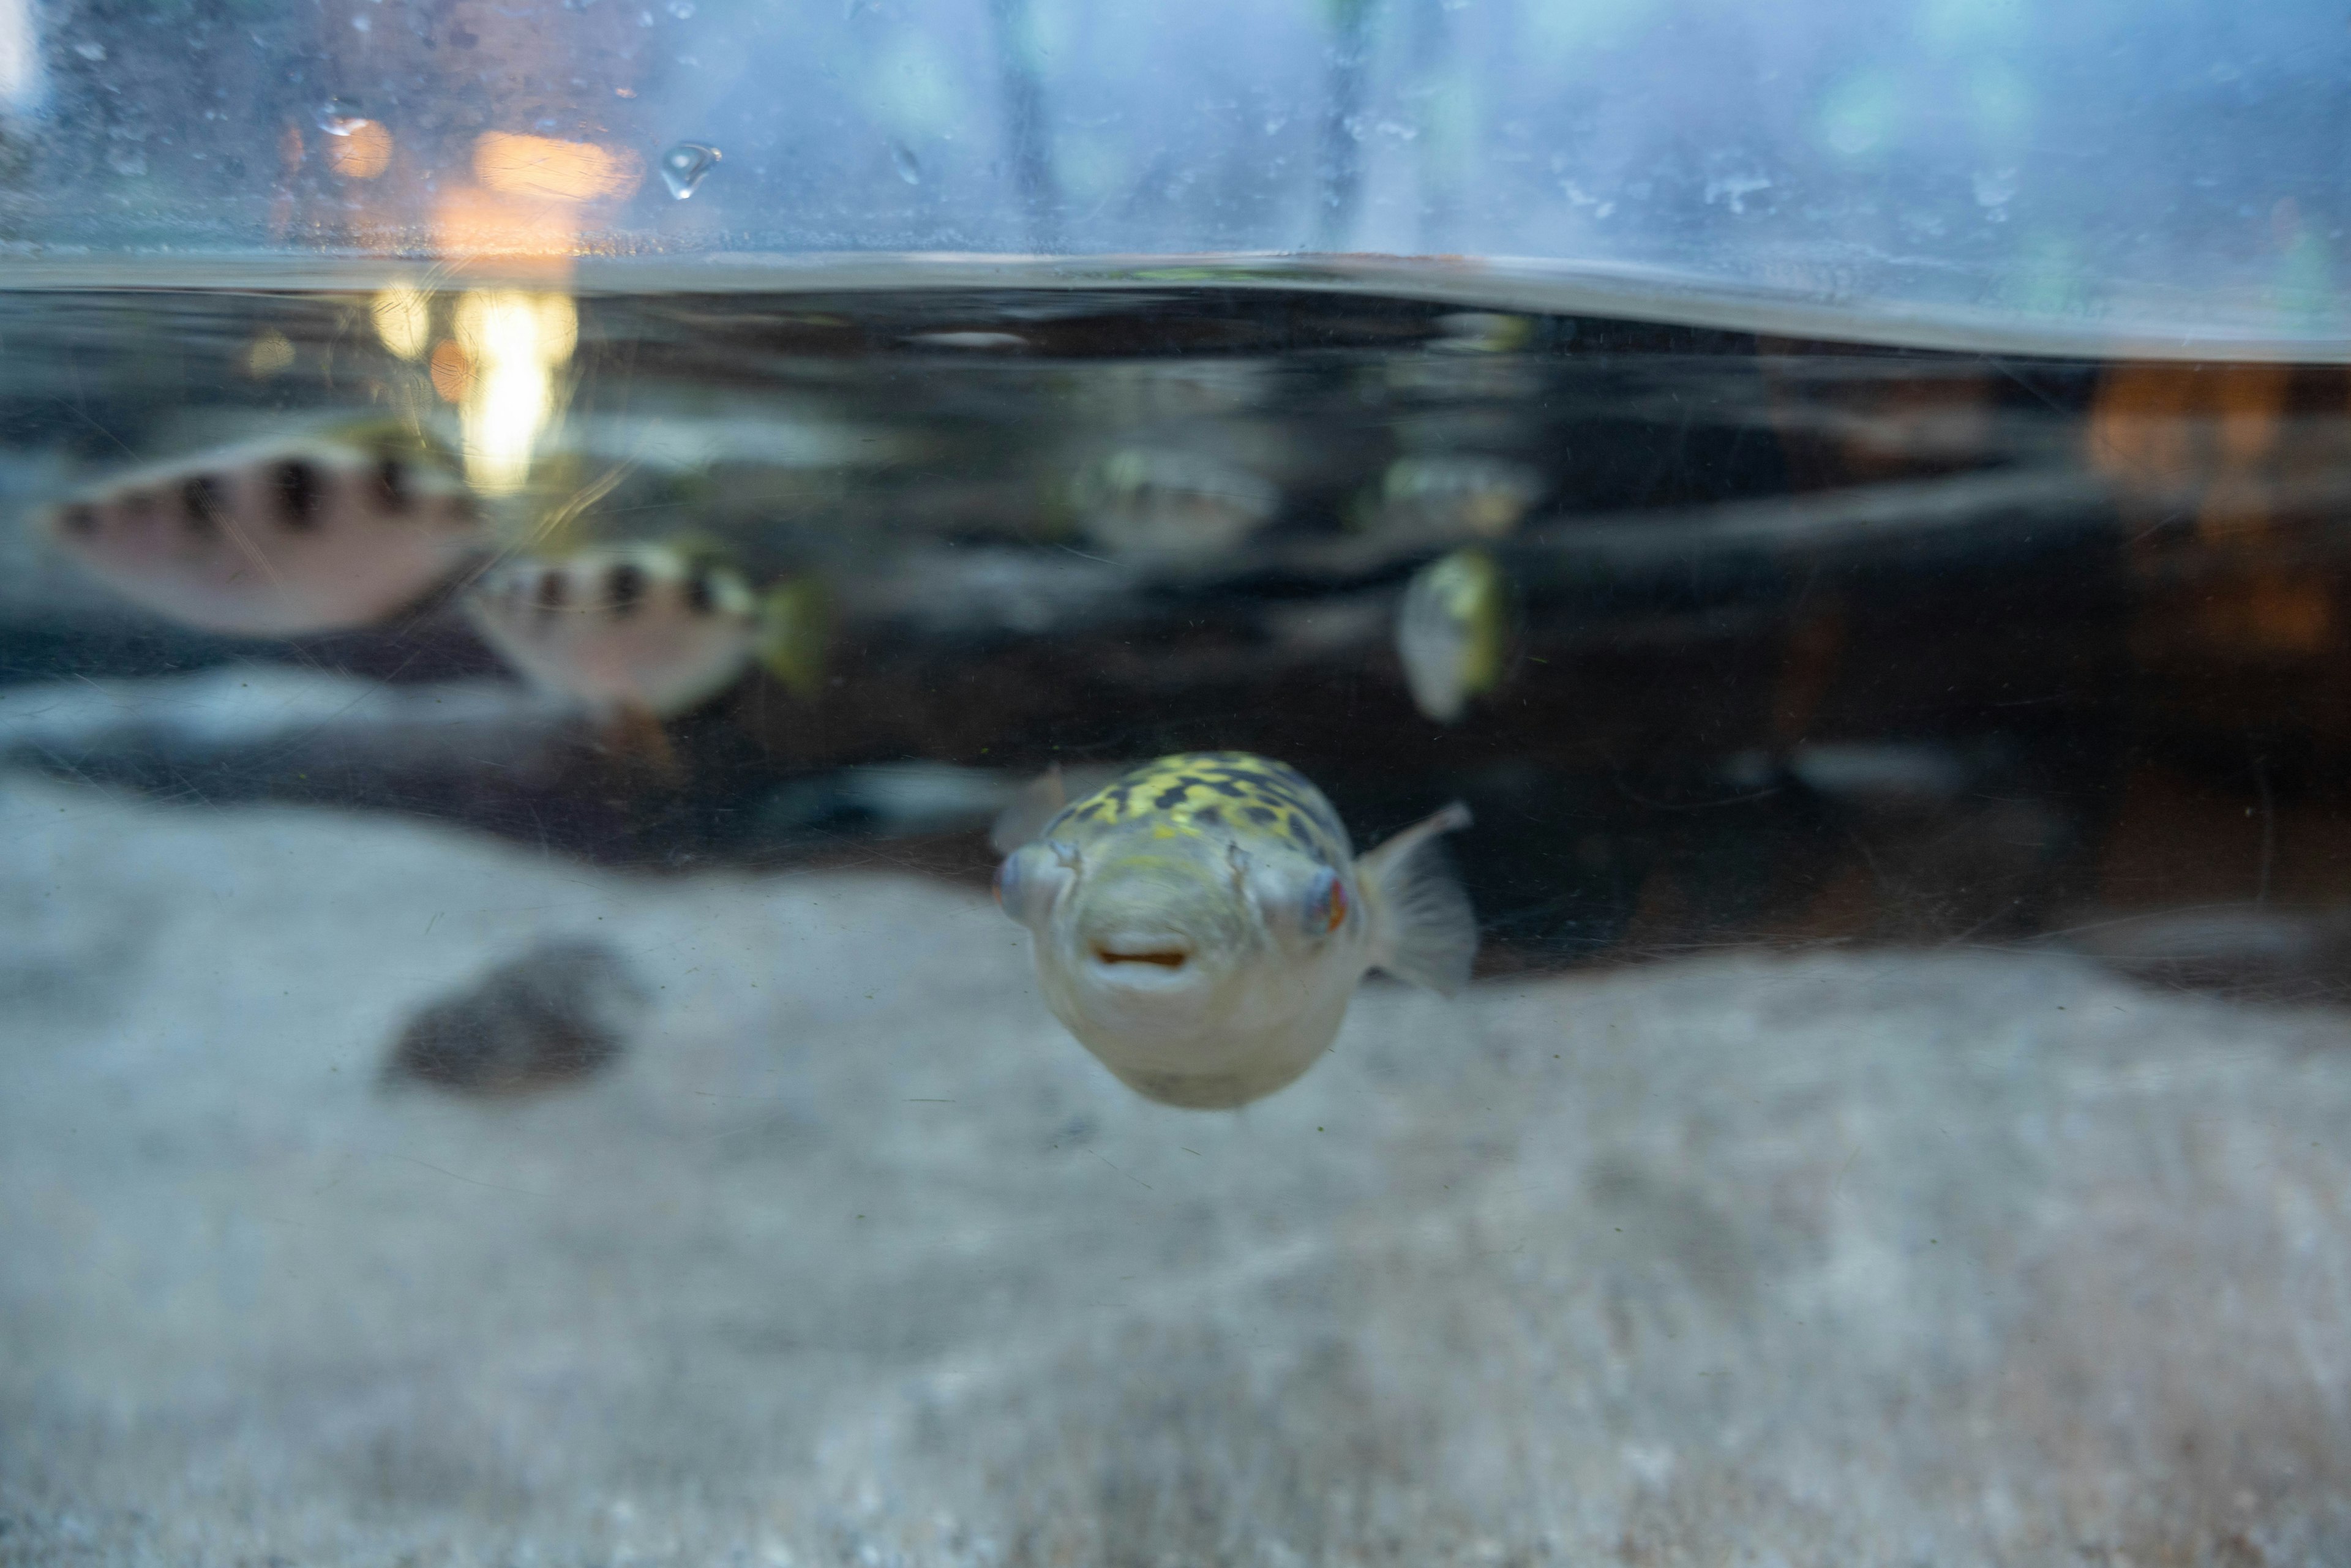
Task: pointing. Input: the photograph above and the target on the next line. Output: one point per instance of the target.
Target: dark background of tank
(1811, 641)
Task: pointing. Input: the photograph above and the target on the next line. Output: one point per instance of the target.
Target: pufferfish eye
(1031, 878)
(1325, 908)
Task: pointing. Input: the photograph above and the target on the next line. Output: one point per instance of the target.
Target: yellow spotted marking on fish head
(1230, 794)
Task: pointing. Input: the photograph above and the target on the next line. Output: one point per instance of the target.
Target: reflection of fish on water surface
(1201, 922)
(1171, 506)
(642, 633)
(1449, 495)
(278, 537)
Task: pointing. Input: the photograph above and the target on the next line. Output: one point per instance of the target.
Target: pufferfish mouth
(1154, 951)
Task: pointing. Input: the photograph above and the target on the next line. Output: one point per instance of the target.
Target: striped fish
(277, 538)
(643, 630)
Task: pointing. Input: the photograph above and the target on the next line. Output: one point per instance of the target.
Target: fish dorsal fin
(1422, 929)
(1030, 810)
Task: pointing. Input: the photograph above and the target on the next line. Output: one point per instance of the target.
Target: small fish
(277, 538)
(1171, 507)
(1482, 333)
(646, 631)
(1453, 633)
(1449, 495)
(1201, 922)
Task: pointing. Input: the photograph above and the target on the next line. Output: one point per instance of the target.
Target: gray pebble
(563, 1010)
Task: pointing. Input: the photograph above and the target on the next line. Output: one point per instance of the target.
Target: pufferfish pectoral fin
(1423, 928)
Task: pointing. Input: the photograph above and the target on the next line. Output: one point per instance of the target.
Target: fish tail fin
(1423, 928)
(795, 631)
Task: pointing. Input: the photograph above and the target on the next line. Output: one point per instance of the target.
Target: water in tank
(1306, 782)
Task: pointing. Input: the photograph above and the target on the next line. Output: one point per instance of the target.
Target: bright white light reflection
(24, 85)
(403, 319)
(516, 341)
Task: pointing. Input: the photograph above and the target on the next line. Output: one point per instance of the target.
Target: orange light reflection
(468, 220)
(363, 154)
(547, 169)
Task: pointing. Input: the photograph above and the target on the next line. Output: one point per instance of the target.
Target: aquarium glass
(1333, 782)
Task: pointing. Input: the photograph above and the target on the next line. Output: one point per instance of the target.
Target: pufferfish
(1201, 922)
(278, 537)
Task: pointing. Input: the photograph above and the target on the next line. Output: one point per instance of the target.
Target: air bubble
(339, 117)
(901, 158)
(681, 9)
(1995, 188)
(686, 165)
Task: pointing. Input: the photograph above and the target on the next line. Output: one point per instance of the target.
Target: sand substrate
(853, 1256)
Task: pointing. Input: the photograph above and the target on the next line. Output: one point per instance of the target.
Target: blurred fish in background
(1170, 507)
(638, 634)
(1452, 632)
(276, 538)
(1448, 497)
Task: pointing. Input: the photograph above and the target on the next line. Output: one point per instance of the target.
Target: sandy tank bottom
(855, 1258)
